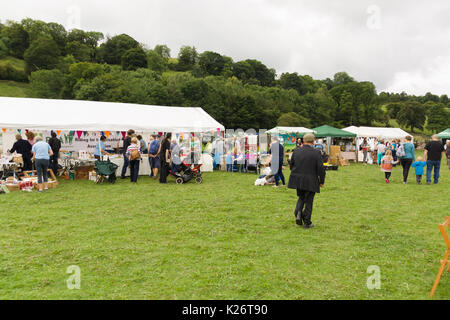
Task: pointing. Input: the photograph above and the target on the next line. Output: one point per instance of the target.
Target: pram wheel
(199, 179)
(179, 180)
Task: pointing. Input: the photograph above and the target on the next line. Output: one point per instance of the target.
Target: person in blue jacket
(418, 168)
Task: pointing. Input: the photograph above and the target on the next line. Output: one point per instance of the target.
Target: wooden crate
(82, 173)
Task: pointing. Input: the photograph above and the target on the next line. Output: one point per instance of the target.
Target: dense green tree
(412, 115)
(302, 84)
(243, 71)
(47, 83)
(211, 63)
(81, 52)
(393, 109)
(264, 75)
(429, 97)
(58, 34)
(114, 48)
(134, 59)
(4, 47)
(346, 112)
(438, 117)
(156, 62)
(292, 119)
(187, 58)
(342, 78)
(43, 53)
(163, 51)
(19, 38)
(444, 100)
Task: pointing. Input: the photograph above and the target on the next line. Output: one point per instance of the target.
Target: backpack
(401, 151)
(154, 146)
(134, 154)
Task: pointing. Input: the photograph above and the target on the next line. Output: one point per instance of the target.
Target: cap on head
(309, 138)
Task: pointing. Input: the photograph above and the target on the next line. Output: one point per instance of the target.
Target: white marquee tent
(378, 133)
(46, 114)
(284, 130)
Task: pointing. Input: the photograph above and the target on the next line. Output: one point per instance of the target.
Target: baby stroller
(185, 173)
(105, 169)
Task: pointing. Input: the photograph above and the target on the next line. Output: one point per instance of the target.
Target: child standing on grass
(418, 169)
(229, 162)
(387, 163)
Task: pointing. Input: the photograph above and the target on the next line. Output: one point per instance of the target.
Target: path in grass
(224, 239)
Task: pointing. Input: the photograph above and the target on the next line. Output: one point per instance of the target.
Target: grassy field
(15, 89)
(225, 239)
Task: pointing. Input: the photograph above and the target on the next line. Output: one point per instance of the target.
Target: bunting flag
(117, 133)
(4, 130)
(84, 133)
(71, 133)
(19, 131)
(124, 134)
(58, 132)
(107, 133)
(79, 133)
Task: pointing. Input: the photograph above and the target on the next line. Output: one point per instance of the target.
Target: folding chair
(444, 263)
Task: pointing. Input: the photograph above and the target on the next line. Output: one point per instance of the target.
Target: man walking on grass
(307, 177)
(434, 151)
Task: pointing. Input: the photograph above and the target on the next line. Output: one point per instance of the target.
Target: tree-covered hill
(78, 64)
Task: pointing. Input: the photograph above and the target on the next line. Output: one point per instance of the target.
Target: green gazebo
(444, 134)
(331, 132)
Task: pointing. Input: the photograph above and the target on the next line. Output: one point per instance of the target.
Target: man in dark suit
(307, 176)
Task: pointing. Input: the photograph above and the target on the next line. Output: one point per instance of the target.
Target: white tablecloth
(144, 167)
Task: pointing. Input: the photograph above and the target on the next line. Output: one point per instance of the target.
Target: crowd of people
(392, 153)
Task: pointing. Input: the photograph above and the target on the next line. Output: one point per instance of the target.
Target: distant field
(16, 63)
(15, 89)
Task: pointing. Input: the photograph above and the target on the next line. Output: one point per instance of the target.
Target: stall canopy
(46, 114)
(287, 130)
(444, 134)
(328, 131)
(378, 132)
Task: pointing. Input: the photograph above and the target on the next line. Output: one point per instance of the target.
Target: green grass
(15, 89)
(225, 239)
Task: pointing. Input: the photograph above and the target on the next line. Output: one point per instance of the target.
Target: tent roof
(48, 114)
(328, 131)
(444, 134)
(378, 132)
(282, 130)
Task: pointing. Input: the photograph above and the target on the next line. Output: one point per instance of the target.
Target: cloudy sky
(398, 45)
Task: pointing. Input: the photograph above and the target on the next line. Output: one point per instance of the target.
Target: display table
(350, 155)
(144, 166)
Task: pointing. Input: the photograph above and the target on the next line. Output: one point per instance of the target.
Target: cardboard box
(13, 187)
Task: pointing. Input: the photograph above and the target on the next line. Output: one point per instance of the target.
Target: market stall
(80, 124)
(373, 135)
(340, 144)
(289, 135)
